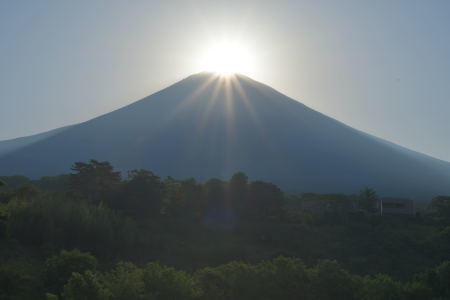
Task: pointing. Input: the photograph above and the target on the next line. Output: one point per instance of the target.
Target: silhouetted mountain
(209, 126)
(18, 143)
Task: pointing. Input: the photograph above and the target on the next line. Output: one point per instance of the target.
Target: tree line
(92, 234)
(75, 275)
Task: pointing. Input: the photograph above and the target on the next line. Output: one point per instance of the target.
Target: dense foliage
(94, 235)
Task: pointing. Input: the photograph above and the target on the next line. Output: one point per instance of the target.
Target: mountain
(18, 143)
(210, 126)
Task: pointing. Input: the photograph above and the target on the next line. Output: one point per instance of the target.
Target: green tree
(330, 281)
(381, 287)
(141, 195)
(368, 199)
(67, 224)
(15, 181)
(214, 194)
(438, 279)
(217, 213)
(16, 283)
(59, 268)
(58, 183)
(264, 199)
(125, 282)
(86, 286)
(165, 283)
(417, 290)
(94, 181)
(182, 198)
(284, 278)
(440, 206)
(27, 192)
(235, 280)
(237, 192)
(50, 296)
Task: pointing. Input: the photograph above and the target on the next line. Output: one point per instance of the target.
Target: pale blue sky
(380, 66)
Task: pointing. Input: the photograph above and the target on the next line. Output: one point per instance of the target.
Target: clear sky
(380, 66)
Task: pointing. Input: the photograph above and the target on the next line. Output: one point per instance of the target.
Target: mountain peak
(232, 78)
(234, 87)
(208, 125)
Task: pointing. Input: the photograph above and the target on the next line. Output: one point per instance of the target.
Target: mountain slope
(9, 146)
(208, 126)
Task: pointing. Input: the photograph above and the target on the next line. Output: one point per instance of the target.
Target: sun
(227, 58)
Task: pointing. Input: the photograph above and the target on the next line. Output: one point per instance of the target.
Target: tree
(182, 198)
(94, 181)
(264, 199)
(86, 286)
(5, 196)
(141, 195)
(381, 287)
(58, 183)
(16, 282)
(214, 193)
(440, 206)
(330, 281)
(443, 279)
(166, 283)
(438, 279)
(15, 181)
(368, 199)
(237, 192)
(417, 290)
(283, 278)
(125, 282)
(59, 268)
(27, 192)
(235, 280)
(67, 224)
(217, 211)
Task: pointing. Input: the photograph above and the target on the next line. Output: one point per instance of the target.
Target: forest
(97, 234)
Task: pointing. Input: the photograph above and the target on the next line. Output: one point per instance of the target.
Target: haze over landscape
(217, 150)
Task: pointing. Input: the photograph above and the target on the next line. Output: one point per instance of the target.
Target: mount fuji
(208, 126)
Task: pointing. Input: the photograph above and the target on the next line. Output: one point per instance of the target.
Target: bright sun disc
(227, 59)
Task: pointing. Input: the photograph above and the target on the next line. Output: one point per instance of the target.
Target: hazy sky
(380, 66)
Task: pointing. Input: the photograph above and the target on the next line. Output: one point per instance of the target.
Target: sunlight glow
(228, 58)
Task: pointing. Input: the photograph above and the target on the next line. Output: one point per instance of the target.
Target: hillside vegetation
(92, 234)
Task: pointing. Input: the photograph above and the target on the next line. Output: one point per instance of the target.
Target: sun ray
(230, 97)
(206, 112)
(240, 90)
(192, 97)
